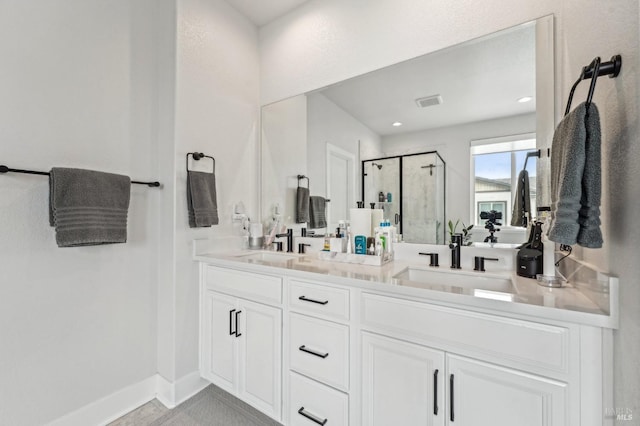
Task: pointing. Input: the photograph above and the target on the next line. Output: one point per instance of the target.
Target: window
(496, 164)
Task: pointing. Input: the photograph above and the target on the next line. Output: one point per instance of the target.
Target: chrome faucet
(456, 242)
(289, 236)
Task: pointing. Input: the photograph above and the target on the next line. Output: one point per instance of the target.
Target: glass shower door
(382, 187)
(423, 199)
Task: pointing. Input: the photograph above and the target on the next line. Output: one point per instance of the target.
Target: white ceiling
(261, 12)
(478, 80)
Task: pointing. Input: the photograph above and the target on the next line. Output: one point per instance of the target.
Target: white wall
(326, 41)
(452, 143)
(284, 153)
(328, 123)
(217, 112)
(77, 87)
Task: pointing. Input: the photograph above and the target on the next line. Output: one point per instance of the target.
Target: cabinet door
(402, 383)
(219, 349)
(484, 394)
(260, 356)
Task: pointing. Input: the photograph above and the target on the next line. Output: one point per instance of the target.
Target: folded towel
(88, 207)
(522, 202)
(317, 215)
(302, 205)
(575, 179)
(202, 204)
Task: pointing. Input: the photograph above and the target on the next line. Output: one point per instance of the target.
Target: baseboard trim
(172, 394)
(119, 403)
(111, 407)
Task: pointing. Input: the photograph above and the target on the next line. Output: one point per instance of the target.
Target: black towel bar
(197, 156)
(5, 169)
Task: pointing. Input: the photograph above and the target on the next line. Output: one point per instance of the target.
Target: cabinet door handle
(305, 299)
(311, 417)
(231, 332)
(312, 352)
(238, 324)
(435, 392)
(451, 416)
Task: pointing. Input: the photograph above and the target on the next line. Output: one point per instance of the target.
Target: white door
(340, 185)
(260, 327)
(485, 394)
(402, 383)
(220, 348)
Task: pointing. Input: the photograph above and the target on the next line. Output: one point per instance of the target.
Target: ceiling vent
(428, 101)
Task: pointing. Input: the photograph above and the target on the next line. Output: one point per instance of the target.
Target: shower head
(379, 166)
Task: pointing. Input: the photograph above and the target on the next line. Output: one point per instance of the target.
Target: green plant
(466, 231)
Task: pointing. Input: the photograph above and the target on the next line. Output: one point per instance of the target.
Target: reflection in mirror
(410, 190)
(443, 100)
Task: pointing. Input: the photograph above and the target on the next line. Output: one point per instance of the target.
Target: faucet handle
(302, 247)
(433, 258)
(278, 245)
(478, 262)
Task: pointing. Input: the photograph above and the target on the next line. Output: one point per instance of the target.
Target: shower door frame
(400, 157)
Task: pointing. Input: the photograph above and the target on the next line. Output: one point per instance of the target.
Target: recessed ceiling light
(396, 124)
(525, 99)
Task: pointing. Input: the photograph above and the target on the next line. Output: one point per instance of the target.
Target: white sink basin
(269, 256)
(455, 281)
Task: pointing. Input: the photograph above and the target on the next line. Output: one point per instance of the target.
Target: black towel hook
(197, 156)
(594, 70)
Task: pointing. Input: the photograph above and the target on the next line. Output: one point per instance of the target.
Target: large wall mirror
(446, 101)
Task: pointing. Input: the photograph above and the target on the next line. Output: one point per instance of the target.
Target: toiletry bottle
(327, 243)
(381, 197)
(388, 197)
(548, 252)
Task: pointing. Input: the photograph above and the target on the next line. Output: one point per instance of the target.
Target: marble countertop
(492, 292)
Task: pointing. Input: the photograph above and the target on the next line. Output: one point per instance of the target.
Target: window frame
(510, 143)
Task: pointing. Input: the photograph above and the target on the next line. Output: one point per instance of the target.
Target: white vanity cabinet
(241, 339)
(426, 380)
(319, 354)
(307, 352)
(415, 385)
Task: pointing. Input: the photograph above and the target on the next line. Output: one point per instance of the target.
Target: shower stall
(410, 189)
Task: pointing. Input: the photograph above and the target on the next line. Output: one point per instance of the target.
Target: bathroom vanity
(309, 341)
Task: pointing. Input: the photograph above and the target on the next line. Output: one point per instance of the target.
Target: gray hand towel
(88, 207)
(317, 214)
(575, 179)
(202, 203)
(302, 205)
(522, 202)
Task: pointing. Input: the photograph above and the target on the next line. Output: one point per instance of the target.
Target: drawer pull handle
(238, 324)
(451, 396)
(231, 332)
(312, 352)
(435, 392)
(311, 417)
(313, 301)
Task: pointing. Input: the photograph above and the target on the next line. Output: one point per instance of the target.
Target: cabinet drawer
(257, 287)
(522, 344)
(315, 299)
(321, 403)
(320, 349)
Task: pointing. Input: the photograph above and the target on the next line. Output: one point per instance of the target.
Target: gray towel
(88, 207)
(302, 205)
(317, 215)
(202, 203)
(522, 202)
(575, 179)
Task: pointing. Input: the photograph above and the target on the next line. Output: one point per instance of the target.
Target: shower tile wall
(422, 209)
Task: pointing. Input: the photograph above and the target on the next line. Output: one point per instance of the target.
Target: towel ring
(300, 177)
(197, 156)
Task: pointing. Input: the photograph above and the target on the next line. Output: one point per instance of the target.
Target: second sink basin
(270, 256)
(451, 279)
